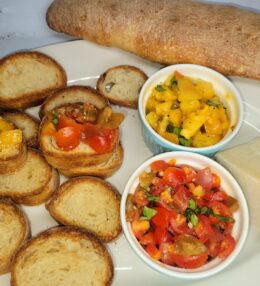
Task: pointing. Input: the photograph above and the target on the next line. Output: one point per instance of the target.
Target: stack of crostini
(77, 134)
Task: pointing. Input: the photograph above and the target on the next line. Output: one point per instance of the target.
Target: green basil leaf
(185, 142)
(223, 218)
(55, 119)
(150, 197)
(148, 213)
(160, 88)
(194, 219)
(177, 130)
(192, 204)
(206, 211)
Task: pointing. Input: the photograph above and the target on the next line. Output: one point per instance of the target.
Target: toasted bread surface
(14, 230)
(102, 170)
(62, 256)
(25, 122)
(27, 78)
(121, 85)
(12, 158)
(33, 178)
(70, 95)
(90, 203)
(222, 37)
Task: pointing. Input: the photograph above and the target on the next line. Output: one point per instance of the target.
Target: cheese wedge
(243, 162)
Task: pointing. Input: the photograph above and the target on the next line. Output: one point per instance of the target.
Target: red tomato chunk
(182, 217)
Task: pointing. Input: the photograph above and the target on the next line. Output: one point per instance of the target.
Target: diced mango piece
(163, 93)
(49, 129)
(163, 108)
(151, 104)
(162, 125)
(188, 106)
(187, 90)
(152, 118)
(205, 88)
(175, 117)
(194, 121)
(171, 137)
(5, 125)
(11, 137)
(204, 139)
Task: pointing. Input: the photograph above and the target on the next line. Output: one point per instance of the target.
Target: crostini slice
(62, 256)
(27, 123)
(14, 229)
(33, 183)
(90, 203)
(12, 147)
(78, 129)
(121, 85)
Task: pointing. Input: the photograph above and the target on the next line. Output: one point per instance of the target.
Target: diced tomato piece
(167, 252)
(178, 224)
(162, 235)
(140, 227)
(189, 172)
(181, 198)
(228, 227)
(213, 243)
(68, 138)
(148, 238)
(174, 176)
(227, 245)
(219, 196)
(213, 220)
(65, 121)
(191, 262)
(132, 212)
(158, 186)
(140, 198)
(204, 178)
(159, 166)
(216, 181)
(153, 251)
(161, 218)
(101, 140)
(204, 229)
(219, 208)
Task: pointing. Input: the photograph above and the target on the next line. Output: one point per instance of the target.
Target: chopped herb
(174, 81)
(206, 211)
(192, 204)
(177, 130)
(55, 119)
(213, 102)
(150, 197)
(194, 219)
(148, 213)
(191, 216)
(170, 128)
(223, 218)
(185, 142)
(159, 88)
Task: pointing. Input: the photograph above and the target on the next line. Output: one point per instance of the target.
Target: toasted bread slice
(83, 155)
(121, 85)
(90, 203)
(14, 229)
(25, 122)
(102, 170)
(62, 256)
(27, 78)
(12, 147)
(33, 183)
(70, 95)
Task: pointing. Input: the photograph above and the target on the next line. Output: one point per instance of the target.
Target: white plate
(84, 62)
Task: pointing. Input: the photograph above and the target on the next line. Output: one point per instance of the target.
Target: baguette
(222, 37)
(62, 256)
(25, 122)
(90, 203)
(72, 98)
(102, 170)
(12, 147)
(121, 85)
(14, 229)
(33, 183)
(27, 78)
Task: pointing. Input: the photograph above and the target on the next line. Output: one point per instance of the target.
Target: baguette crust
(9, 163)
(72, 94)
(25, 122)
(102, 170)
(90, 203)
(33, 183)
(19, 68)
(127, 80)
(14, 229)
(73, 256)
(221, 37)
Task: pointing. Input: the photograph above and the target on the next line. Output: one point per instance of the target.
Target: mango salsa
(187, 111)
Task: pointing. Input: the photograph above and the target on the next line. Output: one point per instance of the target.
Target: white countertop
(23, 25)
